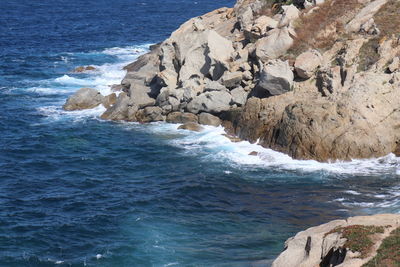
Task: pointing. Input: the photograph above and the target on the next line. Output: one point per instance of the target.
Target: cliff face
(320, 83)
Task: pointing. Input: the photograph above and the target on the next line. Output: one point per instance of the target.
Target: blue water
(78, 191)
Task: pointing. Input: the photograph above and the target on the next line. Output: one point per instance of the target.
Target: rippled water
(75, 190)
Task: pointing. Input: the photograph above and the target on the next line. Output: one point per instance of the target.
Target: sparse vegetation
(324, 26)
(388, 20)
(368, 54)
(359, 237)
(388, 254)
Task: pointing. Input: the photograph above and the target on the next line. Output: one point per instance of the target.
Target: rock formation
(352, 243)
(320, 83)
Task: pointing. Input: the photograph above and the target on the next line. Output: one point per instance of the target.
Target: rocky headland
(368, 241)
(315, 80)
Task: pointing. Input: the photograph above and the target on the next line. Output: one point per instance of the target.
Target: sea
(79, 191)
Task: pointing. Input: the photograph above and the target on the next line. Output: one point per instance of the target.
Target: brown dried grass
(322, 28)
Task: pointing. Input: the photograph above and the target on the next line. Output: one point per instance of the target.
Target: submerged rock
(191, 126)
(84, 69)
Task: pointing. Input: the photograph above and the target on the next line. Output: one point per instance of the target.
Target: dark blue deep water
(78, 191)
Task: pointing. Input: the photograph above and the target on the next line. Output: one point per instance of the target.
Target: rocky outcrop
(84, 98)
(319, 83)
(330, 244)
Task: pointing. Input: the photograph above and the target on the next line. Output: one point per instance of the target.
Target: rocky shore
(316, 80)
(368, 241)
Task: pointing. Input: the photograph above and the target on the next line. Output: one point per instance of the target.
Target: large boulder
(209, 119)
(123, 109)
(307, 62)
(276, 78)
(110, 100)
(149, 114)
(274, 45)
(84, 98)
(181, 117)
(208, 54)
(211, 102)
(290, 13)
(239, 96)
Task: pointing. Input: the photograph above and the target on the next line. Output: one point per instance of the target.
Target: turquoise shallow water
(78, 191)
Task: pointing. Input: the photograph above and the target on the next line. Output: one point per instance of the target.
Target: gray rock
(123, 109)
(110, 100)
(84, 98)
(181, 117)
(232, 79)
(209, 119)
(276, 79)
(307, 63)
(214, 86)
(211, 102)
(239, 96)
(274, 45)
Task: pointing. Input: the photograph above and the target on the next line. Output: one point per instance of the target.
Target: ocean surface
(79, 191)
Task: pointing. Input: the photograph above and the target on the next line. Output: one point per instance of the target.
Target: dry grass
(322, 28)
(388, 19)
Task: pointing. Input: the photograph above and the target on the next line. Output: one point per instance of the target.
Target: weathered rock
(264, 24)
(239, 96)
(211, 102)
(276, 79)
(214, 86)
(246, 19)
(232, 79)
(309, 247)
(208, 54)
(290, 13)
(170, 99)
(364, 15)
(109, 100)
(191, 126)
(149, 114)
(209, 119)
(307, 63)
(181, 117)
(84, 98)
(274, 45)
(123, 109)
(395, 65)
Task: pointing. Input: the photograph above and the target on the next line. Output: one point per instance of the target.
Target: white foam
(48, 91)
(68, 80)
(212, 145)
(352, 192)
(126, 53)
(56, 113)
